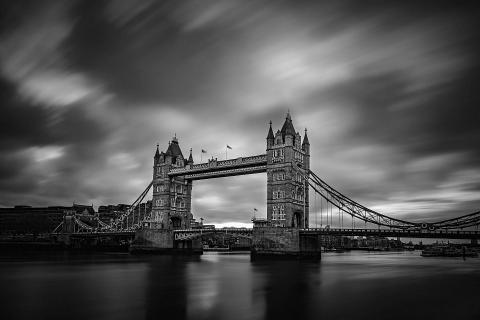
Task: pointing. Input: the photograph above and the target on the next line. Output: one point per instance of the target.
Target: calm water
(229, 286)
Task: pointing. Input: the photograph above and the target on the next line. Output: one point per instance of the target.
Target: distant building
(108, 213)
(36, 220)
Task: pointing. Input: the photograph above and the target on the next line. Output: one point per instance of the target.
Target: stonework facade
(288, 165)
(172, 197)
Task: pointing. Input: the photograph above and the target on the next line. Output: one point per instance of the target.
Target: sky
(388, 91)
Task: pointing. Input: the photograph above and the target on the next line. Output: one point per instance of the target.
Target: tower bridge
(286, 163)
(289, 179)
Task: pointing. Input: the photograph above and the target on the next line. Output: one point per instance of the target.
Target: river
(352, 285)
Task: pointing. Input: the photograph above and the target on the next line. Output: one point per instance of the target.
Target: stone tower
(172, 197)
(288, 164)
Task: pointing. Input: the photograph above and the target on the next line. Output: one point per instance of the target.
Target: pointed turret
(157, 155)
(288, 131)
(270, 136)
(306, 143)
(305, 139)
(190, 157)
(173, 152)
(270, 131)
(288, 128)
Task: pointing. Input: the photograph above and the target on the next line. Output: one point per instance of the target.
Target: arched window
(179, 203)
(300, 194)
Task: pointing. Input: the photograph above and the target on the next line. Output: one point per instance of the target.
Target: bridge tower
(288, 164)
(172, 197)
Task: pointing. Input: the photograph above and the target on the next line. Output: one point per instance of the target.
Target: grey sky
(389, 93)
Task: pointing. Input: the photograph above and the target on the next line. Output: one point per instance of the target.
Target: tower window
(282, 212)
(275, 212)
(278, 153)
(278, 194)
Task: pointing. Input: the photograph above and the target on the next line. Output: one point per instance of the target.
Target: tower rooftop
(287, 128)
(174, 150)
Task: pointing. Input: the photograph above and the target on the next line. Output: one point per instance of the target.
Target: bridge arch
(297, 219)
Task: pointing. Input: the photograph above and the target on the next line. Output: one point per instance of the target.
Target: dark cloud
(148, 59)
(32, 133)
(388, 90)
(21, 124)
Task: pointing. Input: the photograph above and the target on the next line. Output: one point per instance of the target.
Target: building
(288, 166)
(36, 220)
(172, 197)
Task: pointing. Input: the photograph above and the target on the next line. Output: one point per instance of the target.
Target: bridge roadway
(95, 234)
(438, 234)
(185, 234)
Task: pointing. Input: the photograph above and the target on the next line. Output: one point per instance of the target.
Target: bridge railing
(214, 230)
(390, 231)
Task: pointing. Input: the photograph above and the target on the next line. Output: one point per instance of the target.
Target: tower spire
(287, 128)
(270, 131)
(306, 143)
(190, 157)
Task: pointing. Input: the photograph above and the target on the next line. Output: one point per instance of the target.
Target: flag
(204, 151)
(229, 147)
(255, 209)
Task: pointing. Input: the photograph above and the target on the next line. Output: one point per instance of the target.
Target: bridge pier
(283, 242)
(161, 241)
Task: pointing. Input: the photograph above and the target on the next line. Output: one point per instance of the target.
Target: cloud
(388, 92)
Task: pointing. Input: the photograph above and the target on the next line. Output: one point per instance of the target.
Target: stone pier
(283, 242)
(161, 241)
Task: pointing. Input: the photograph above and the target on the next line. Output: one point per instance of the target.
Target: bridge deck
(439, 234)
(98, 234)
(187, 233)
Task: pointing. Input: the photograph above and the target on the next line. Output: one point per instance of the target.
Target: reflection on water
(230, 286)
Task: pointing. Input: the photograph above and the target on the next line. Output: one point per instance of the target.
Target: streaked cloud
(388, 92)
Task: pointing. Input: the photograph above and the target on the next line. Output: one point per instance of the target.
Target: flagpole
(226, 154)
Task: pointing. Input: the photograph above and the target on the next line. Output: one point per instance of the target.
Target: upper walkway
(223, 168)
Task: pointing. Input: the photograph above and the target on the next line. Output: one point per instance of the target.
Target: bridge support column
(284, 243)
(161, 241)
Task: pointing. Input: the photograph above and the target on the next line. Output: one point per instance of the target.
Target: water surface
(354, 285)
